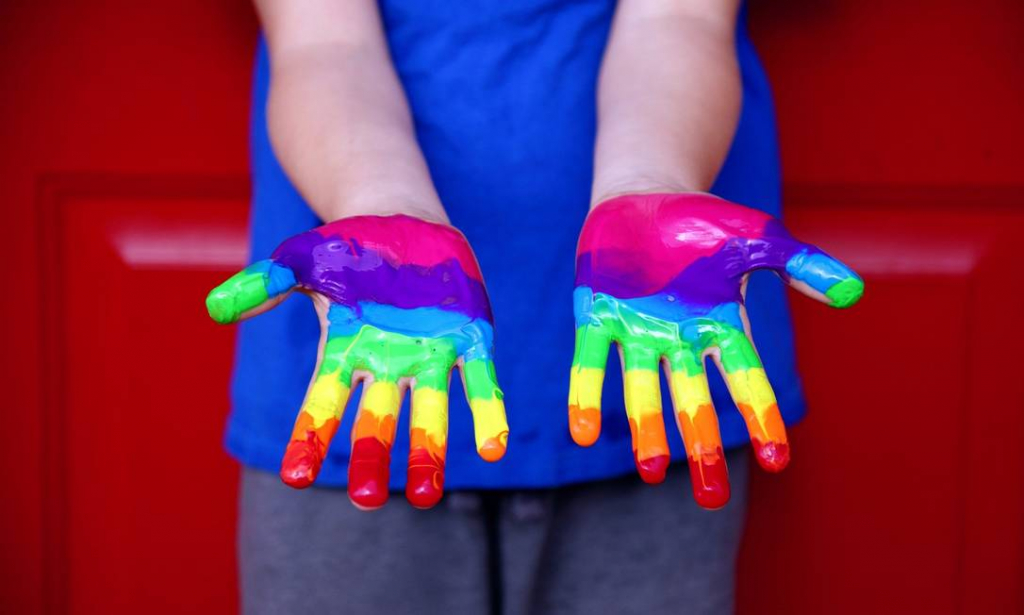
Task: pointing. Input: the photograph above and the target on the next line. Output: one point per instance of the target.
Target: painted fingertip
(424, 488)
(652, 469)
(772, 456)
(425, 483)
(493, 448)
(220, 304)
(710, 478)
(301, 462)
(846, 293)
(368, 474)
(584, 425)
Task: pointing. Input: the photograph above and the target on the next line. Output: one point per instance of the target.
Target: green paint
(391, 356)
(481, 380)
(846, 293)
(242, 292)
(645, 340)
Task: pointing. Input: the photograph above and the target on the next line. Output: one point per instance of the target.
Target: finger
(806, 267)
(585, 382)
(698, 424)
(372, 437)
(319, 417)
(428, 437)
(488, 406)
(251, 291)
(643, 408)
(823, 277)
(750, 389)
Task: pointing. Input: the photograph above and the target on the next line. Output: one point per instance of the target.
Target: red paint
(368, 472)
(652, 469)
(710, 478)
(772, 456)
(302, 461)
(425, 483)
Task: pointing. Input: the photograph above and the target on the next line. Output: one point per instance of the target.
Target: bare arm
(668, 97)
(338, 118)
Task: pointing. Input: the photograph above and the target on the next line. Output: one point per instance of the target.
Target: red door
(125, 185)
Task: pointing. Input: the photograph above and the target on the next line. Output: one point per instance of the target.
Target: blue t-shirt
(503, 97)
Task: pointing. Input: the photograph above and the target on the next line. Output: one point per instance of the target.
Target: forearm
(668, 98)
(338, 118)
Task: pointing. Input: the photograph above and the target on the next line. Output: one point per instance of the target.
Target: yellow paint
(689, 393)
(326, 399)
(643, 408)
(750, 387)
(430, 412)
(643, 393)
(489, 421)
(382, 399)
(585, 387)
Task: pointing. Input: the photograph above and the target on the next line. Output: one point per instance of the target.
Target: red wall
(123, 178)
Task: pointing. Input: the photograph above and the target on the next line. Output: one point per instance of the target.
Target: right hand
(401, 303)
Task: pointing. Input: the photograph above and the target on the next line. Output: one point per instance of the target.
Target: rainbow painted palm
(662, 276)
(401, 303)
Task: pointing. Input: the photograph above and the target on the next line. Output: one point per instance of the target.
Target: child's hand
(401, 302)
(664, 276)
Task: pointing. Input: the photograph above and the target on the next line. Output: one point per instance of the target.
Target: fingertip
(845, 293)
(301, 463)
(652, 469)
(772, 456)
(584, 425)
(424, 487)
(221, 306)
(368, 473)
(494, 447)
(710, 479)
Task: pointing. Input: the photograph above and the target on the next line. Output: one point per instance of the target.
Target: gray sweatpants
(616, 546)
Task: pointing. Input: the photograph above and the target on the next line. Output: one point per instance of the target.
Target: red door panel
(140, 497)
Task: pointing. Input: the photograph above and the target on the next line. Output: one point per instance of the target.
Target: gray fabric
(616, 546)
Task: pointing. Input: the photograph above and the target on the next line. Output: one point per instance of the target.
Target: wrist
(374, 201)
(607, 188)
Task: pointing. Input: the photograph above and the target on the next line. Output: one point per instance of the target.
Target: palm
(663, 277)
(401, 303)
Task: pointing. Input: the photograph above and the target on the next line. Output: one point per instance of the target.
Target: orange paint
(584, 424)
(305, 452)
(493, 448)
(650, 448)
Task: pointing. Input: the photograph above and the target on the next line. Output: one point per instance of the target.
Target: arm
(668, 97)
(337, 115)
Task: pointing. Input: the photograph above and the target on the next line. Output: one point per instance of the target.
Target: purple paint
(347, 272)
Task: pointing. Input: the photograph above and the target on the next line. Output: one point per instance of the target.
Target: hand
(664, 277)
(401, 302)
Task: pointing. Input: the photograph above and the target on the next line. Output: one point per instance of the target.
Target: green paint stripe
(241, 292)
(845, 293)
(481, 380)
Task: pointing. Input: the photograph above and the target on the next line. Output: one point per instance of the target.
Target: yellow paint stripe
(489, 420)
(382, 399)
(430, 412)
(751, 388)
(326, 399)
(585, 387)
(688, 392)
(643, 393)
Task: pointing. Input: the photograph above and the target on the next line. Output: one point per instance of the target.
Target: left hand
(664, 277)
